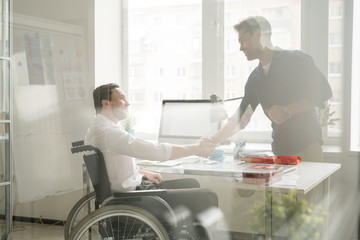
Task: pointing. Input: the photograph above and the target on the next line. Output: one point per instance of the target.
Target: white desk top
(310, 173)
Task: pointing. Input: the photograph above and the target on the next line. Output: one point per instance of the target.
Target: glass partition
(5, 143)
(2, 209)
(4, 33)
(5, 90)
(4, 152)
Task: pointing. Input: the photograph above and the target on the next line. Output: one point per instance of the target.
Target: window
(159, 72)
(335, 9)
(230, 71)
(335, 67)
(158, 96)
(136, 96)
(169, 33)
(275, 12)
(135, 72)
(181, 72)
(157, 21)
(181, 20)
(335, 40)
(196, 44)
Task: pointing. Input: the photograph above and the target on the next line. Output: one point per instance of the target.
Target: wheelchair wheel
(118, 222)
(82, 208)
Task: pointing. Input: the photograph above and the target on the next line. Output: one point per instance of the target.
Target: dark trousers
(185, 193)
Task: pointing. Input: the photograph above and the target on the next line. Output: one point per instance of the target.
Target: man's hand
(278, 114)
(207, 140)
(206, 147)
(153, 176)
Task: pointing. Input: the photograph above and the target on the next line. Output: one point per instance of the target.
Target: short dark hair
(103, 92)
(251, 24)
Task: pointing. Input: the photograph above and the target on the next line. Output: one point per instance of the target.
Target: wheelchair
(141, 215)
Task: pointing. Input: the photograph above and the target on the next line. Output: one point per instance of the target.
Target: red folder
(290, 160)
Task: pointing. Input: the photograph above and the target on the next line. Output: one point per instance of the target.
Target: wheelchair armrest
(83, 148)
(140, 193)
(136, 196)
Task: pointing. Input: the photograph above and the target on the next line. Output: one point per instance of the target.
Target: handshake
(205, 147)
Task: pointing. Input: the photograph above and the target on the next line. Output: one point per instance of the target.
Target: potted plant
(325, 116)
(129, 123)
(288, 214)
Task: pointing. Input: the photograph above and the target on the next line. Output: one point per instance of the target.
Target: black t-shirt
(292, 76)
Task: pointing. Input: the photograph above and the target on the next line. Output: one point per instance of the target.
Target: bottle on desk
(239, 148)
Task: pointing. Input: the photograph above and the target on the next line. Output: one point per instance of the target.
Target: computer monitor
(186, 121)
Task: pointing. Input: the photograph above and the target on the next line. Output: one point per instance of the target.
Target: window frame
(351, 74)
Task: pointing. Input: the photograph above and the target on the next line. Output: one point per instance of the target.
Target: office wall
(108, 42)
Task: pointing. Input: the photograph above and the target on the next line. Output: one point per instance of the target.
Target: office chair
(123, 215)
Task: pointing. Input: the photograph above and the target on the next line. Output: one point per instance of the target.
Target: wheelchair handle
(84, 148)
(77, 143)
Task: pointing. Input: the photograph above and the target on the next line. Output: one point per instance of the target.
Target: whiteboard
(52, 106)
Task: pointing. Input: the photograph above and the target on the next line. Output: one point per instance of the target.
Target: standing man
(288, 86)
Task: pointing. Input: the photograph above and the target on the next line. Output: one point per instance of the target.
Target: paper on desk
(288, 179)
(168, 163)
(147, 162)
(179, 161)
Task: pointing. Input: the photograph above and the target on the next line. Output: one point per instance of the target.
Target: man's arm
(227, 131)
(234, 124)
(203, 148)
(299, 106)
(280, 114)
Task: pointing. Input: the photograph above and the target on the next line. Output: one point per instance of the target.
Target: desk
(311, 176)
(311, 173)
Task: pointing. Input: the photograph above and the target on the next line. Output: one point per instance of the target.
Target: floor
(38, 231)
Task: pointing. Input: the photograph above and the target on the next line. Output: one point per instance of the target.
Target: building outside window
(335, 9)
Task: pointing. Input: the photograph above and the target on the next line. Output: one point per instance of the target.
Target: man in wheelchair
(119, 149)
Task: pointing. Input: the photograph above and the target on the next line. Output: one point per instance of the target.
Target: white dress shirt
(119, 148)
